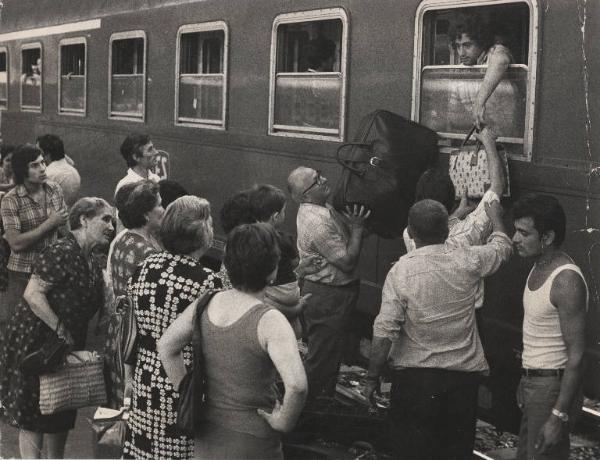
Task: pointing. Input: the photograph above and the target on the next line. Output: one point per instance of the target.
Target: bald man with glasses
(337, 240)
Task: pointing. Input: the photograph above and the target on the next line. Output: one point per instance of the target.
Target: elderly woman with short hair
(245, 343)
(63, 294)
(161, 287)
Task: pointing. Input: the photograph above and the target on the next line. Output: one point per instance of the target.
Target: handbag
(109, 427)
(192, 389)
(47, 358)
(469, 169)
(78, 383)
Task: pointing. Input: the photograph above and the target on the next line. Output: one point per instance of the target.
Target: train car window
(201, 84)
(127, 75)
(3, 79)
(454, 45)
(72, 78)
(308, 74)
(31, 77)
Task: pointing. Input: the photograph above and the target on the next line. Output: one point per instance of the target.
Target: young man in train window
(427, 333)
(555, 303)
(140, 155)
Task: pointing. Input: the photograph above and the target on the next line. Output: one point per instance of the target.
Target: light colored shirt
(132, 177)
(21, 213)
(473, 230)
(543, 343)
(322, 232)
(65, 175)
(428, 305)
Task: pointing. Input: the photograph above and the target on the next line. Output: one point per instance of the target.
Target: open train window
(454, 45)
(201, 83)
(31, 77)
(3, 78)
(127, 75)
(72, 81)
(308, 74)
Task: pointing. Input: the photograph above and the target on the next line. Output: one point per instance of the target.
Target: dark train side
(228, 90)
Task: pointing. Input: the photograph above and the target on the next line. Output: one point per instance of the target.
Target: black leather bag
(45, 360)
(381, 169)
(192, 389)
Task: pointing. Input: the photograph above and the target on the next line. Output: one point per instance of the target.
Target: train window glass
(72, 81)
(202, 75)
(448, 77)
(3, 79)
(127, 75)
(308, 74)
(31, 77)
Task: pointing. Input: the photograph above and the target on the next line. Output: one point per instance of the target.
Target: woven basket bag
(74, 385)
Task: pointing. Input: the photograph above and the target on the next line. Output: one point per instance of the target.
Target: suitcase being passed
(381, 169)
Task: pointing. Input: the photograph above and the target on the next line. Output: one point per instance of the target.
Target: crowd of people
(272, 290)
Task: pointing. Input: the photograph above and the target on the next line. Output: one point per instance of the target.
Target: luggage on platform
(381, 169)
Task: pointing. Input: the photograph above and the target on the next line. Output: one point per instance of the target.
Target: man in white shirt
(140, 155)
(60, 169)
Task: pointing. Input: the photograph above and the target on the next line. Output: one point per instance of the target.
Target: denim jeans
(536, 396)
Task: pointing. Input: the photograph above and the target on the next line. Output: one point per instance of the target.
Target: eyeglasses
(318, 181)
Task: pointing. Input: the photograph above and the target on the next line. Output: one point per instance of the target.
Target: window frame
(4, 49)
(32, 108)
(130, 34)
(67, 42)
(532, 63)
(310, 16)
(201, 122)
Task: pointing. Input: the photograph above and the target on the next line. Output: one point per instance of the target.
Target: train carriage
(228, 90)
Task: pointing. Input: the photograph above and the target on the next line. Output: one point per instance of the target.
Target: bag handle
(348, 164)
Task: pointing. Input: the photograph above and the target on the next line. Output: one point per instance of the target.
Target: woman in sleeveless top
(244, 343)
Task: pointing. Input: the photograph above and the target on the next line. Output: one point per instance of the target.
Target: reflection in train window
(202, 75)
(3, 79)
(127, 75)
(457, 47)
(31, 77)
(308, 74)
(72, 82)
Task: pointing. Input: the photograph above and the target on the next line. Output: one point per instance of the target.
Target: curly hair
(546, 212)
(134, 200)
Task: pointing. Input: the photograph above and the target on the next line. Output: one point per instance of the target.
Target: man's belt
(542, 372)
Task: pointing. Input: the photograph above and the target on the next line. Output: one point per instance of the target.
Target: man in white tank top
(555, 304)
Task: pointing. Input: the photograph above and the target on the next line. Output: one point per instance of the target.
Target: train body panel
(379, 74)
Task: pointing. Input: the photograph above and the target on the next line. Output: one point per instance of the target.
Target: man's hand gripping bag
(381, 169)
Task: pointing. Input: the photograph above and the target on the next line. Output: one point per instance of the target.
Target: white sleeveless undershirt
(543, 343)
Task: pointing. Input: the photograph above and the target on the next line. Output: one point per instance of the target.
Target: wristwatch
(562, 416)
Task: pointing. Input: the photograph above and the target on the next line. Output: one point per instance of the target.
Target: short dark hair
(22, 156)
(265, 200)
(428, 221)
(251, 255)
(236, 211)
(87, 207)
(134, 200)
(6, 150)
(545, 211)
(187, 225)
(52, 145)
(435, 184)
(476, 28)
(132, 145)
(170, 190)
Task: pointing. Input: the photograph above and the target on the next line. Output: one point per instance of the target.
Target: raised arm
(171, 344)
(498, 62)
(488, 138)
(568, 295)
(277, 337)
